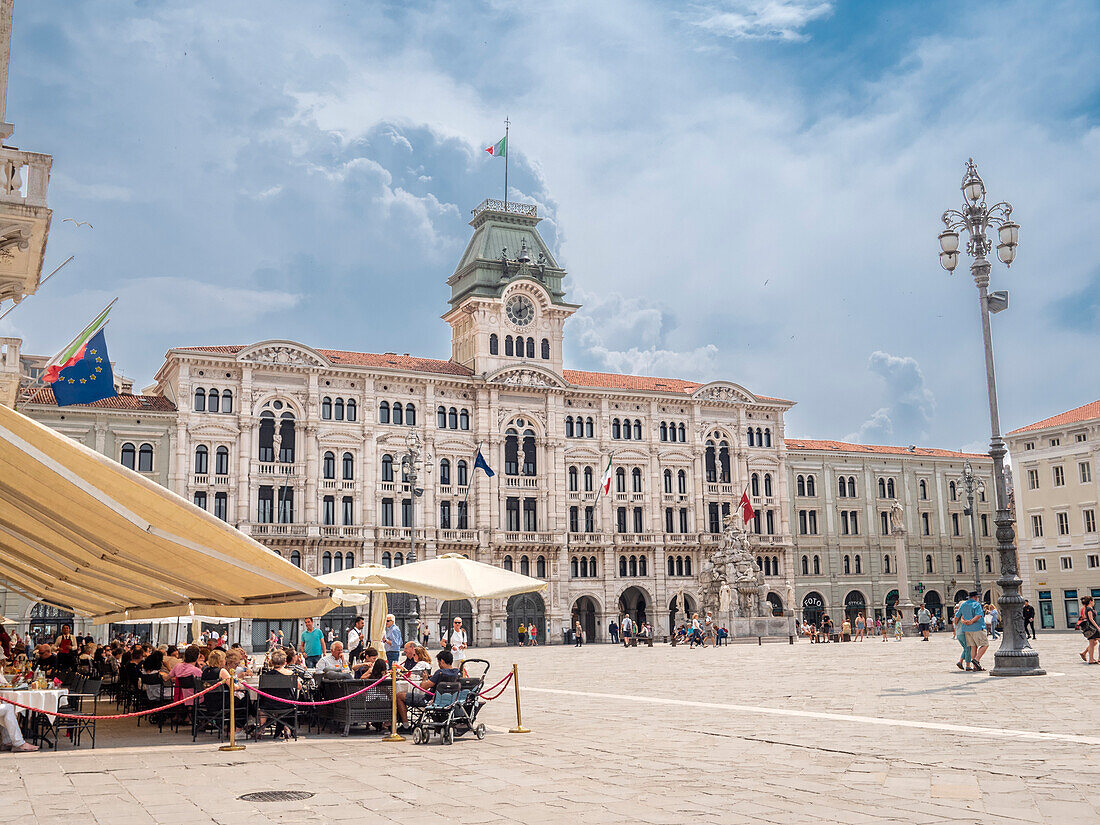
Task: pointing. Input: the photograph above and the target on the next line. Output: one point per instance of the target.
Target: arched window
(847, 565)
(890, 488)
(338, 412)
(540, 567)
(752, 438)
(616, 430)
(627, 433)
(461, 474)
(817, 565)
(768, 485)
(882, 488)
(444, 471)
(494, 344)
(348, 466)
(398, 413)
(754, 483)
(507, 562)
(387, 467)
(328, 464)
(711, 462)
(441, 417)
(387, 559)
(633, 565)
(924, 489)
(464, 420)
(620, 480)
(326, 408)
(410, 415)
(530, 463)
(326, 562)
(337, 562)
(511, 452)
(668, 481)
(636, 480)
(687, 565)
(452, 418)
(295, 558)
(622, 567)
(642, 566)
(805, 565)
(841, 488)
(524, 565)
(958, 564)
(671, 566)
(588, 428)
(859, 565)
(588, 479)
(200, 400)
(531, 347)
(584, 567)
(681, 432)
(885, 564)
(145, 458)
(384, 412)
(800, 486)
(351, 409)
(227, 401)
(988, 564)
(572, 479)
(811, 486)
(767, 437)
(928, 564)
(212, 401)
(221, 461)
(569, 426)
(545, 349)
(637, 430)
(574, 567)
(681, 481)
(724, 462)
(664, 431)
(951, 491)
(349, 560)
(851, 487)
(508, 345)
(201, 459)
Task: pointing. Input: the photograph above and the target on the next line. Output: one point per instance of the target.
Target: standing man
(613, 631)
(454, 640)
(972, 619)
(627, 629)
(312, 644)
(708, 631)
(391, 637)
(991, 617)
(578, 634)
(924, 621)
(356, 643)
(1029, 620)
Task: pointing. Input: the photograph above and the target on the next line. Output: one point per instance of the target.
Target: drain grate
(275, 796)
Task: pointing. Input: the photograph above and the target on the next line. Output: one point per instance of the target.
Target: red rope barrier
(503, 681)
(258, 692)
(157, 709)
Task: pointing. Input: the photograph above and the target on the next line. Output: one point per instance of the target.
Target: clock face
(521, 311)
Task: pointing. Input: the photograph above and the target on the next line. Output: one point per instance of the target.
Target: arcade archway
(586, 611)
(634, 603)
(854, 604)
(776, 604)
(527, 609)
(813, 607)
(675, 617)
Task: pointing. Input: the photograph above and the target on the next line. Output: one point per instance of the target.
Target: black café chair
(152, 694)
(84, 705)
(211, 712)
(279, 714)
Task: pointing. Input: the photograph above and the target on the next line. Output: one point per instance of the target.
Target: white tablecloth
(45, 700)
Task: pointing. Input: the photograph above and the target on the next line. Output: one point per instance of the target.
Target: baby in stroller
(455, 703)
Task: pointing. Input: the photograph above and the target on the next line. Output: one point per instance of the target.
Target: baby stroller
(454, 707)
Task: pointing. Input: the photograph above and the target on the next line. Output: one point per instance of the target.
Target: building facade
(1056, 490)
(845, 558)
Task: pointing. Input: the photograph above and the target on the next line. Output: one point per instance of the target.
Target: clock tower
(507, 302)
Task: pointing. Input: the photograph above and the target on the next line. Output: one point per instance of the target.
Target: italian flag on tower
(606, 483)
(499, 149)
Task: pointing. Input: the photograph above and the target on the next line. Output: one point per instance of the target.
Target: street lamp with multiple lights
(1015, 657)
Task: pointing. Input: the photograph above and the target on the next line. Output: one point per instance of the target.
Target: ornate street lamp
(969, 482)
(1015, 656)
(410, 471)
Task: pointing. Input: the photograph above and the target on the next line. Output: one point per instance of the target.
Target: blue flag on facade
(482, 464)
(88, 379)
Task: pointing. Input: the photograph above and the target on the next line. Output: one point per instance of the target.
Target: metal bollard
(394, 735)
(519, 728)
(232, 746)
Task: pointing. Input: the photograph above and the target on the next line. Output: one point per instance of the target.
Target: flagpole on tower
(507, 123)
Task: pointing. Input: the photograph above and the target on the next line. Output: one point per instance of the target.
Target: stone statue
(732, 568)
(897, 518)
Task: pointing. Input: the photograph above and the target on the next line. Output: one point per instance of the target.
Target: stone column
(901, 561)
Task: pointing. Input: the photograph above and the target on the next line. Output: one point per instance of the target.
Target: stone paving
(848, 733)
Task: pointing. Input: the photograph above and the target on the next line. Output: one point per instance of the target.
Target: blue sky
(740, 189)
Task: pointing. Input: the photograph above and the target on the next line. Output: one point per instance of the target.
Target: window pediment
(724, 391)
(526, 376)
(282, 353)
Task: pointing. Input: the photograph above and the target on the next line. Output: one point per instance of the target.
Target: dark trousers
(614, 637)
(1029, 625)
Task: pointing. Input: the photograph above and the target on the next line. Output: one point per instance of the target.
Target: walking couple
(970, 630)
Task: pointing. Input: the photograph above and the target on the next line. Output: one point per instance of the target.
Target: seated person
(410, 656)
(188, 667)
(370, 664)
(334, 664)
(277, 662)
(447, 673)
(46, 660)
(215, 669)
(154, 676)
(171, 656)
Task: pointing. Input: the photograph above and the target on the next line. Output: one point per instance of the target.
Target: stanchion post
(394, 735)
(232, 746)
(519, 728)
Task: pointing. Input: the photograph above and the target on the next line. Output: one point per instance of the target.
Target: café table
(44, 702)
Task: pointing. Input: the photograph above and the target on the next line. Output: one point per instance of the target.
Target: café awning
(82, 532)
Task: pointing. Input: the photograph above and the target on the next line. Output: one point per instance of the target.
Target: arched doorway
(675, 617)
(891, 602)
(633, 603)
(988, 597)
(934, 603)
(457, 609)
(960, 596)
(813, 607)
(46, 622)
(776, 603)
(585, 611)
(854, 604)
(526, 609)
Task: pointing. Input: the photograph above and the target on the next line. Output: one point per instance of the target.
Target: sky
(746, 190)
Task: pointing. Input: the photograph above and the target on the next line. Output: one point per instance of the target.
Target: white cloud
(910, 405)
(761, 19)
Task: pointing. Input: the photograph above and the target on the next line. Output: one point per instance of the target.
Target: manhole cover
(275, 796)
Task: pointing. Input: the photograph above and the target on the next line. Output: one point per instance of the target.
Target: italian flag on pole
(74, 352)
(606, 483)
(499, 149)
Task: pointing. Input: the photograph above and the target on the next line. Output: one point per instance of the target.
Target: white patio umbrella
(453, 576)
(355, 587)
(6, 620)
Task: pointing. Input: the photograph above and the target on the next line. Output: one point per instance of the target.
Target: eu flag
(89, 379)
(482, 464)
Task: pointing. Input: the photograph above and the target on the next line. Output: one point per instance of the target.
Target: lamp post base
(1016, 663)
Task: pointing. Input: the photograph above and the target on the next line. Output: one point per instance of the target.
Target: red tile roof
(123, 401)
(845, 447)
(1086, 412)
(578, 378)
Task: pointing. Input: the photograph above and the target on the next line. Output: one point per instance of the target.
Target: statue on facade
(897, 518)
(731, 570)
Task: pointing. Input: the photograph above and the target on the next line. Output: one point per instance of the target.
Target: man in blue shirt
(312, 644)
(972, 618)
(392, 638)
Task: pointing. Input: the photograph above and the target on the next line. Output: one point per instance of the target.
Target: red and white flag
(606, 483)
(745, 506)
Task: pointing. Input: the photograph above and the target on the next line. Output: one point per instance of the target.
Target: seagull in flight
(78, 223)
